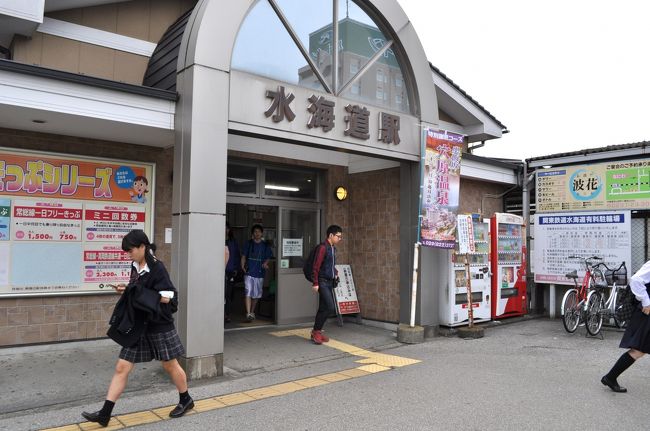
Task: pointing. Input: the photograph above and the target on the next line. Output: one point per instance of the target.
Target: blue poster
(5, 219)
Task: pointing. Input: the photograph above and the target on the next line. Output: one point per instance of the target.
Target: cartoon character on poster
(140, 187)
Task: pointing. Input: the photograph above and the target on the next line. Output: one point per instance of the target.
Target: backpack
(308, 266)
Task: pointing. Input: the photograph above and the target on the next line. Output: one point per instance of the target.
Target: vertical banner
(440, 188)
(62, 219)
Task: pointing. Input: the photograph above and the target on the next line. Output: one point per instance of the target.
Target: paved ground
(526, 375)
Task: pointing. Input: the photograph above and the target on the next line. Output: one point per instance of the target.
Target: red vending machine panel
(508, 265)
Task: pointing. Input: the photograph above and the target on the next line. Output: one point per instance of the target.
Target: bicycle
(597, 307)
(574, 302)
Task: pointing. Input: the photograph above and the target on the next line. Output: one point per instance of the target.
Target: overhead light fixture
(283, 188)
(39, 121)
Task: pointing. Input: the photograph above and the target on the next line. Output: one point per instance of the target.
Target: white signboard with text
(606, 234)
(346, 294)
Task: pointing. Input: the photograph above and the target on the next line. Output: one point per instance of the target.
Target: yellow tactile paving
(311, 382)
(387, 360)
(74, 427)
(234, 399)
(262, 393)
(373, 363)
(163, 412)
(138, 418)
(334, 377)
(114, 424)
(374, 368)
(287, 388)
(354, 372)
(207, 405)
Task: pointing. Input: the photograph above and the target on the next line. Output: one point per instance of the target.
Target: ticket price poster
(66, 216)
(346, 294)
(606, 234)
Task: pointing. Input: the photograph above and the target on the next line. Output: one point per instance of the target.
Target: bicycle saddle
(573, 274)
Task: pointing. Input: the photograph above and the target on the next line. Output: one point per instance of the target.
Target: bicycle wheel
(594, 321)
(570, 311)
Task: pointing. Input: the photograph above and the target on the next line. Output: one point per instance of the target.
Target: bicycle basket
(598, 277)
(618, 276)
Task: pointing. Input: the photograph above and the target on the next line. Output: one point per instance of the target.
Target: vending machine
(508, 265)
(454, 308)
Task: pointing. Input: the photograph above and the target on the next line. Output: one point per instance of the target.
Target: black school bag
(308, 266)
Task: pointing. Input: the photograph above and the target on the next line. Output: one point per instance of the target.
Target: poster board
(606, 234)
(345, 292)
(616, 185)
(62, 219)
(440, 188)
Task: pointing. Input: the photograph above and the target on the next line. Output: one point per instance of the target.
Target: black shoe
(181, 408)
(613, 384)
(96, 417)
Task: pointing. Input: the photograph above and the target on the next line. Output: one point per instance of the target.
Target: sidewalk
(48, 378)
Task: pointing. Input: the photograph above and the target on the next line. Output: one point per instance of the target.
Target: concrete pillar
(199, 207)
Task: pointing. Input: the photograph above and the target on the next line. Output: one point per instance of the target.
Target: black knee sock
(107, 409)
(623, 363)
(184, 396)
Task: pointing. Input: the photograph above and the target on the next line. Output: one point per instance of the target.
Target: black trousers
(326, 305)
(229, 288)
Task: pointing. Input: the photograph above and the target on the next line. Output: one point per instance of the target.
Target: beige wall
(140, 19)
(47, 319)
(472, 191)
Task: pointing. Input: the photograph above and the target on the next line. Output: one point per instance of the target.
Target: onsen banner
(67, 215)
(440, 188)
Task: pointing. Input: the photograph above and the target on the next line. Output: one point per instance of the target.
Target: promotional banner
(606, 234)
(66, 216)
(609, 186)
(440, 188)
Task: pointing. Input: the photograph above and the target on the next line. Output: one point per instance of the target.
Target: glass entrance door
(299, 233)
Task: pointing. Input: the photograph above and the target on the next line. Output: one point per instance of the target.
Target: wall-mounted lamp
(341, 193)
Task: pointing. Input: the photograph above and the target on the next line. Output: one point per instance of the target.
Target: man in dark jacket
(325, 278)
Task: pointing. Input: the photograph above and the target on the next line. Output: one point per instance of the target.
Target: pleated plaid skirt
(162, 346)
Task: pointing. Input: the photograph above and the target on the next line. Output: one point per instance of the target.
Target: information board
(62, 219)
(606, 234)
(346, 294)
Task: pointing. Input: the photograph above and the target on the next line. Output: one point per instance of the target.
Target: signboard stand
(466, 245)
(345, 296)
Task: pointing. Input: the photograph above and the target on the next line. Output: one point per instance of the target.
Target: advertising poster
(66, 216)
(5, 218)
(346, 294)
(604, 186)
(606, 234)
(440, 188)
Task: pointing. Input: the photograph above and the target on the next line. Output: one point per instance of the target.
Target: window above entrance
(286, 41)
(275, 181)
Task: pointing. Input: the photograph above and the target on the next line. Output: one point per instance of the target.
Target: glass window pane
(241, 179)
(290, 183)
(299, 235)
(264, 47)
(313, 26)
(360, 39)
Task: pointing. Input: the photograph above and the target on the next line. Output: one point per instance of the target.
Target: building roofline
(502, 163)
(43, 72)
(470, 98)
(592, 153)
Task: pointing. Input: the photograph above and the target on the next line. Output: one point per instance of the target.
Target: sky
(561, 75)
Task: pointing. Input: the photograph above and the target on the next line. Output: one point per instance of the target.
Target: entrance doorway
(290, 233)
(242, 218)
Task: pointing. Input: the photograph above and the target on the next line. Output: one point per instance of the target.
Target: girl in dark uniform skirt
(637, 335)
(142, 323)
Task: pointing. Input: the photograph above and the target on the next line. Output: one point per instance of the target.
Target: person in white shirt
(637, 334)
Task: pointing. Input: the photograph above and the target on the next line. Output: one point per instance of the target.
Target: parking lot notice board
(62, 220)
(606, 234)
